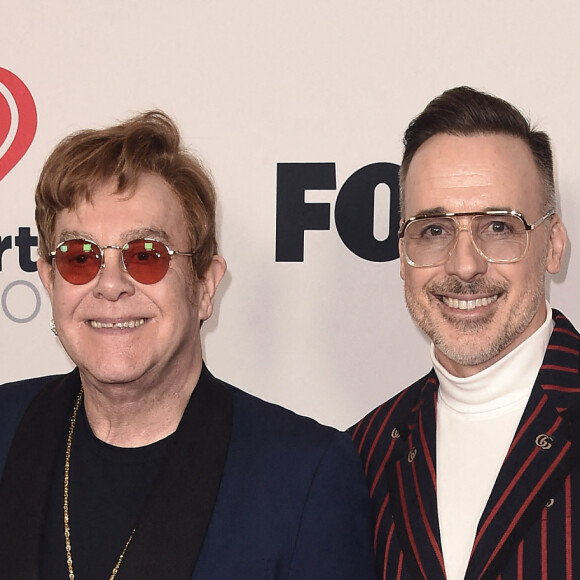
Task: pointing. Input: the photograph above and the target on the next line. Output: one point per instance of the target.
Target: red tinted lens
(147, 261)
(78, 261)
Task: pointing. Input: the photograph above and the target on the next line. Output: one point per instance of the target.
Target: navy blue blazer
(250, 490)
(530, 527)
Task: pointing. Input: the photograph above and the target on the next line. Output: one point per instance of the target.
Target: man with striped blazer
(474, 470)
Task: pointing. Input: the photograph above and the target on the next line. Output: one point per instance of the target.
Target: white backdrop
(254, 84)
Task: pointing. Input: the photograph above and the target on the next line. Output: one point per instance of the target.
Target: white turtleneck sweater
(477, 418)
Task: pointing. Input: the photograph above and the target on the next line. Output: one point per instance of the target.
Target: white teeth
(469, 304)
(126, 324)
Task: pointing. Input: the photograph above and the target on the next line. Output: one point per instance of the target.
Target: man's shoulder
(304, 485)
(23, 391)
(383, 419)
(562, 323)
(273, 417)
(15, 398)
(267, 427)
(285, 456)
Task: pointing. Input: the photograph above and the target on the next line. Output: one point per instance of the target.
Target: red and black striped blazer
(530, 527)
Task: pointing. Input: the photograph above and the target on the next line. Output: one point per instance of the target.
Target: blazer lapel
(412, 482)
(544, 450)
(171, 531)
(28, 476)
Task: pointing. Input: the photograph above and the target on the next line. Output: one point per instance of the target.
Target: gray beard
(471, 353)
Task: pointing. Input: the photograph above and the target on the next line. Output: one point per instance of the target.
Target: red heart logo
(17, 120)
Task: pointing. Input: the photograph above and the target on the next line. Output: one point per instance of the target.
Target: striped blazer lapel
(544, 450)
(412, 484)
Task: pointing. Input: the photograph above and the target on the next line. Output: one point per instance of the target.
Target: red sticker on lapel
(17, 120)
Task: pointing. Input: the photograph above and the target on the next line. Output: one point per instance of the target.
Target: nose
(113, 281)
(465, 262)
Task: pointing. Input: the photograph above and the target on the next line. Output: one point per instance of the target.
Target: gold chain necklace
(69, 561)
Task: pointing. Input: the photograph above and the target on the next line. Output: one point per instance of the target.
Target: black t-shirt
(108, 487)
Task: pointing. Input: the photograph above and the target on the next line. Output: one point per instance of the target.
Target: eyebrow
(147, 232)
(431, 212)
(67, 235)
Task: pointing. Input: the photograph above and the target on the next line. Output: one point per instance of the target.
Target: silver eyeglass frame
(121, 248)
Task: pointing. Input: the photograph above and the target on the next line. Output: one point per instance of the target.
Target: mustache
(456, 286)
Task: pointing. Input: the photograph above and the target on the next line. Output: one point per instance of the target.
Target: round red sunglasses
(147, 261)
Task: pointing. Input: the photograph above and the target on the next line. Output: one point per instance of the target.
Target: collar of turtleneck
(503, 384)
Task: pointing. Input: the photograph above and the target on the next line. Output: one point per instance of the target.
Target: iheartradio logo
(17, 120)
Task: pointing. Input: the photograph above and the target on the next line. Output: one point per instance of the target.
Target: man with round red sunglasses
(141, 464)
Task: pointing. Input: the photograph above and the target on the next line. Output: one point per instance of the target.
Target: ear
(402, 261)
(556, 245)
(209, 284)
(46, 274)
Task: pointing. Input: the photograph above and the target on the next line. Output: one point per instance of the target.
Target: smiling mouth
(125, 324)
(468, 304)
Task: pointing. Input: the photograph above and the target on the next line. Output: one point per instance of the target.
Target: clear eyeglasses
(499, 236)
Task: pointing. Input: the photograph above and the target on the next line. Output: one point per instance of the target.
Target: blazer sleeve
(334, 540)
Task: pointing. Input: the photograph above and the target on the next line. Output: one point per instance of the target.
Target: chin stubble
(467, 349)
